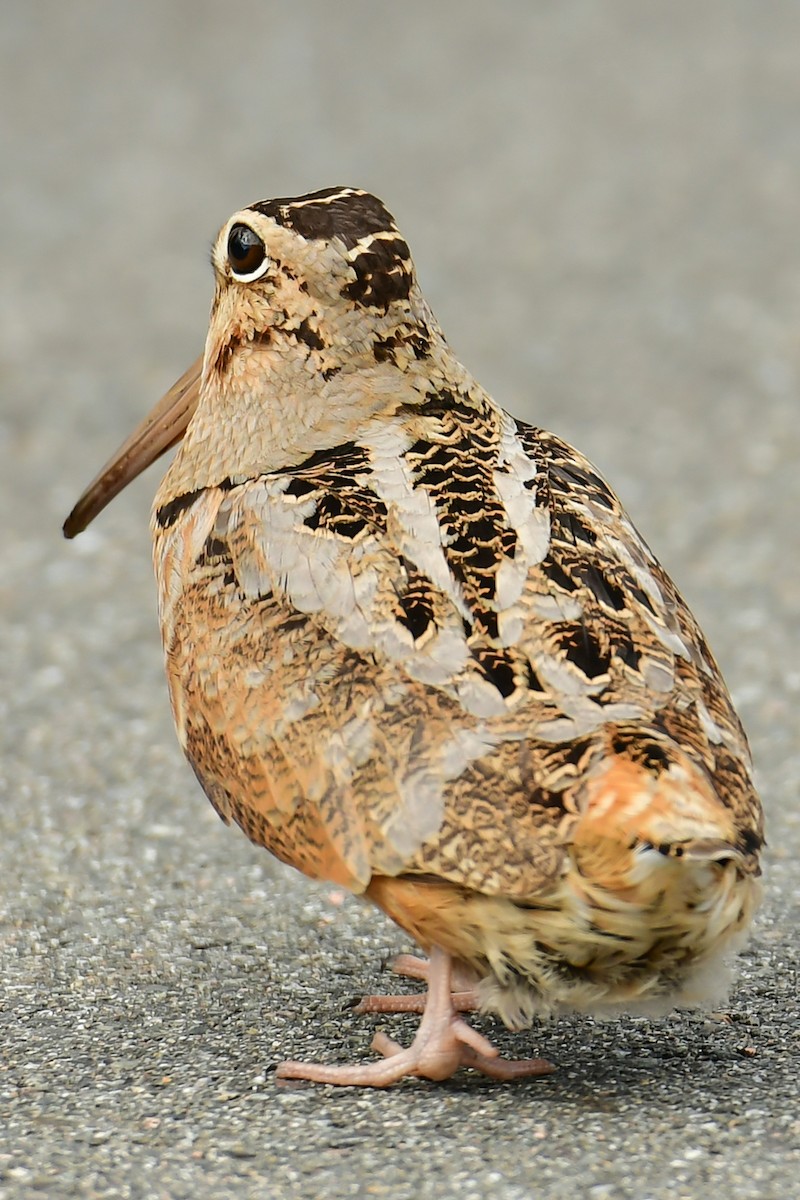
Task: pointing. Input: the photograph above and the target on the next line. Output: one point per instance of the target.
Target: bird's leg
(411, 967)
(463, 981)
(443, 1043)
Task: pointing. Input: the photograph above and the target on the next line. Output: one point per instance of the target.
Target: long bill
(163, 428)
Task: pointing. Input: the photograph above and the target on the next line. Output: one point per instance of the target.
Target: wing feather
(433, 618)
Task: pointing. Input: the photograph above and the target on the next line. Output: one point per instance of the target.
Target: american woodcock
(415, 647)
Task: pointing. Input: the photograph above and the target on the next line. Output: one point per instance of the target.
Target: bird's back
(422, 650)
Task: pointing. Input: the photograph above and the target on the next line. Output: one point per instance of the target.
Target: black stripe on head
(383, 272)
(346, 213)
(379, 256)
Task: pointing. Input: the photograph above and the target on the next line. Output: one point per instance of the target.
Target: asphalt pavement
(604, 203)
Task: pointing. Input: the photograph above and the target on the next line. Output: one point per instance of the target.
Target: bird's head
(316, 317)
(326, 273)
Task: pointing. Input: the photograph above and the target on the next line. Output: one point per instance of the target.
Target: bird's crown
(342, 232)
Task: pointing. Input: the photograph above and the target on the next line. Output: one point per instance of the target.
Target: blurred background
(603, 201)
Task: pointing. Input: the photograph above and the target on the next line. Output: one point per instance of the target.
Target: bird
(416, 648)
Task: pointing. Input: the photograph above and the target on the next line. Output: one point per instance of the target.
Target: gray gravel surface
(604, 204)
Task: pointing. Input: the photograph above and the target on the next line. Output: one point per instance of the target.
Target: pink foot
(462, 1002)
(443, 1043)
(410, 967)
(462, 980)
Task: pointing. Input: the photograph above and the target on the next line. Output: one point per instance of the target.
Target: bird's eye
(246, 253)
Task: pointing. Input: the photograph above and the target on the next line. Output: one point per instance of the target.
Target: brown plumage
(416, 647)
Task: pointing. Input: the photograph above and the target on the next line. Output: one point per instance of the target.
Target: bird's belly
(583, 947)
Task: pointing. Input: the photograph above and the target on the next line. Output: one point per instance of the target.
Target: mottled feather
(417, 648)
